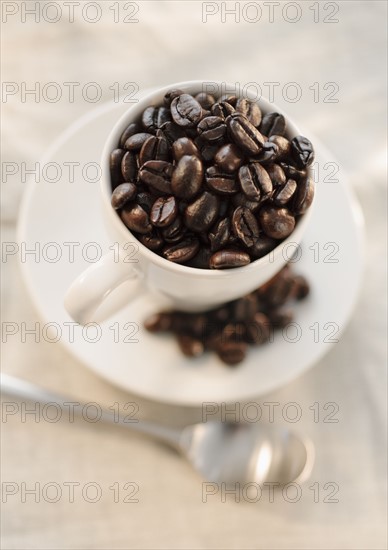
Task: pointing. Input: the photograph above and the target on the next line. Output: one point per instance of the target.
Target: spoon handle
(22, 389)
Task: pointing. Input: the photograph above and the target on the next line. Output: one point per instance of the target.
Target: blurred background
(325, 64)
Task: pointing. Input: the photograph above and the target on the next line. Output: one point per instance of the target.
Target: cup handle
(89, 292)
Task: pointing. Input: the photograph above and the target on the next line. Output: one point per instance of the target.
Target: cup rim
(105, 184)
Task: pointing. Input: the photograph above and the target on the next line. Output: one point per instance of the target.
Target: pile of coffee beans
(210, 183)
(229, 329)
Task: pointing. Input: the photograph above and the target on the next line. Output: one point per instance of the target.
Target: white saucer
(153, 366)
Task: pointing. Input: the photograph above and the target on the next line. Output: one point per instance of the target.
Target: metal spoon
(221, 452)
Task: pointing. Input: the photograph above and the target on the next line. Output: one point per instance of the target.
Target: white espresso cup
(185, 288)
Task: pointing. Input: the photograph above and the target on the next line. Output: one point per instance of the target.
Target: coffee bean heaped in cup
(208, 182)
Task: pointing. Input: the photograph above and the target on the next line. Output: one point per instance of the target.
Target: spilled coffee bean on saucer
(230, 329)
(208, 182)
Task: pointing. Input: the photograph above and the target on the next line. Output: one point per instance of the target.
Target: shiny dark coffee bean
(184, 146)
(255, 181)
(159, 322)
(302, 151)
(171, 132)
(304, 196)
(273, 124)
(145, 200)
(170, 95)
(164, 211)
(186, 111)
(187, 177)
(269, 153)
(228, 258)
(279, 291)
(240, 199)
(130, 130)
(245, 226)
(262, 246)
(231, 99)
(136, 219)
(244, 308)
(135, 142)
(232, 353)
(202, 259)
(219, 182)
(152, 241)
(129, 166)
(115, 159)
(301, 287)
(276, 173)
(250, 109)
(175, 232)
(211, 128)
(258, 329)
(207, 151)
(244, 134)
(292, 172)
(155, 148)
(284, 146)
(283, 194)
(277, 223)
(220, 234)
(201, 214)
(181, 252)
(124, 193)
(233, 332)
(222, 109)
(205, 100)
(190, 346)
(157, 174)
(154, 117)
(229, 158)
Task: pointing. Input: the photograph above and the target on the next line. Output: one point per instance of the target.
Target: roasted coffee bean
(284, 146)
(250, 109)
(201, 214)
(116, 157)
(175, 232)
(130, 130)
(124, 193)
(229, 158)
(302, 151)
(279, 291)
(205, 100)
(187, 177)
(171, 132)
(233, 332)
(190, 346)
(135, 142)
(301, 287)
(184, 146)
(269, 153)
(154, 117)
(304, 196)
(245, 226)
(240, 199)
(202, 259)
(146, 200)
(258, 329)
(244, 134)
(170, 95)
(228, 258)
(155, 148)
(163, 211)
(219, 236)
(152, 241)
(273, 124)
(277, 223)
(157, 174)
(211, 128)
(159, 322)
(206, 150)
(129, 166)
(280, 318)
(283, 194)
(225, 184)
(186, 111)
(292, 172)
(255, 181)
(244, 308)
(136, 218)
(181, 252)
(262, 246)
(232, 353)
(222, 109)
(276, 173)
(231, 99)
